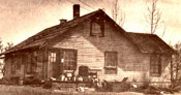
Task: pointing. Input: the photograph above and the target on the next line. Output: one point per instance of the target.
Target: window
(69, 60)
(13, 65)
(29, 59)
(19, 62)
(97, 27)
(29, 68)
(52, 57)
(111, 62)
(155, 65)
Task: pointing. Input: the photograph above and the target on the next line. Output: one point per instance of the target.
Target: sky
(20, 19)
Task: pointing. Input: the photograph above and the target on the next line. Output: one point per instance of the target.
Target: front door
(53, 64)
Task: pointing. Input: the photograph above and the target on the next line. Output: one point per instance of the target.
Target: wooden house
(92, 40)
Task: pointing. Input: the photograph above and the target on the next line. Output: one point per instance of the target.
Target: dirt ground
(27, 90)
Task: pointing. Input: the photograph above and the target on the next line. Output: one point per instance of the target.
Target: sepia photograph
(90, 47)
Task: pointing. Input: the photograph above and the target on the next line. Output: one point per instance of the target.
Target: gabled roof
(42, 37)
(147, 43)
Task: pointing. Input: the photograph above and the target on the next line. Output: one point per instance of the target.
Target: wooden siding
(90, 52)
(19, 59)
(14, 66)
(7, 67)
(131, 63)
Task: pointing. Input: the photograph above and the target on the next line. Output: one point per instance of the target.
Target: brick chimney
(76, 11)
(62, 21)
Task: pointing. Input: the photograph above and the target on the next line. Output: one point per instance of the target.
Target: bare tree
(1, 46)
(2, 49)
(9, 45)
(175, 67)
(153, 16)
(118, 14)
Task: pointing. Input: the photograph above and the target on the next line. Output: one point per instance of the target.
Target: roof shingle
(147, 43)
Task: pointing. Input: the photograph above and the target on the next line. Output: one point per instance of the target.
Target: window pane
(155, 65)
(52, 57)
(69, 59)
(110, 62)
(111, 58)
(96, 29)
(28, 68)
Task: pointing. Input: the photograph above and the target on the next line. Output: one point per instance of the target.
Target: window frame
(13, 66)
(98, 21)
(52, 57)
(16, 62)
(155, 65)
(29, 66)
(74, 61)
(30, 61)
(108, 68)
